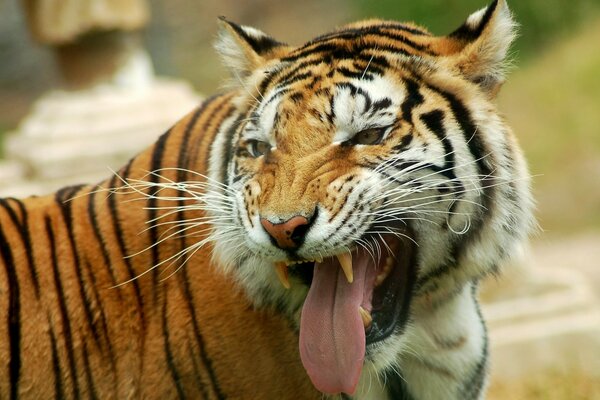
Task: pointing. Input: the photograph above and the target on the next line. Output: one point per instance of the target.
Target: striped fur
(160, 284)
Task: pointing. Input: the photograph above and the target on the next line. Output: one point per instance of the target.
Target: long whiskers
(213, 199)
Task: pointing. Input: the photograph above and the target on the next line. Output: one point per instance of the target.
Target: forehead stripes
(355, 47)
(388, 37)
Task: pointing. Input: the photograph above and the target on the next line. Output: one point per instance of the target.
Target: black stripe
(204, 128)
(278, 75)
(62, 304)
(23, 228)
(229, 146)
(413, 99)
(102, 315)
(14, 315)
(67, 216)
(469, 129)
(375, 62)
(381, 104)
(88, 372)
(361, 33)
(413, 166)
(183, 147)
(348, 51)
(59, 392)
(206, 360)
(99, 238)
(352, 74)
(443, 267)
(155, 164)
(475, 383)
(195, 141)
(260, 44)
(468, 33)
(117, 228)
(196, 368)
(294, 79)
(396, 386)
(433, 120)
(181, 176)
(168, 352)
(476, 146)
(62, 198)
(385, 25)
(87, 302)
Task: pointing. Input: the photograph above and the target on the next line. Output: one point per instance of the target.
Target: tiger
(317, 230)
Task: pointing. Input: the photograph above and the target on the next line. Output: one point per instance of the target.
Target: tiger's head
(368, 177)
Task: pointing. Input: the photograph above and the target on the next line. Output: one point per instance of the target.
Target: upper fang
(345, 260)
(282, 274)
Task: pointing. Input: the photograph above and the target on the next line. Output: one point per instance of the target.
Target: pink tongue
(332, 335)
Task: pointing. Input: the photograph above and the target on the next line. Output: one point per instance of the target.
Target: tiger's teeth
(319, 259)
(365, 316)
(282, 273)
(345, 260)
(387, 268)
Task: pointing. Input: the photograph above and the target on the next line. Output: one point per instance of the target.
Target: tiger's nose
(289, 234)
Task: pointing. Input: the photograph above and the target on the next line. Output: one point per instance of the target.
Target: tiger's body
(68, 332)
(162, 285)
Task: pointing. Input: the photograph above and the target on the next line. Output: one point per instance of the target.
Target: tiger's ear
(483, 42)
(244, 49)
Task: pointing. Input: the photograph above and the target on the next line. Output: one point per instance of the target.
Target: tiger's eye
(257, 148)
(369, 136)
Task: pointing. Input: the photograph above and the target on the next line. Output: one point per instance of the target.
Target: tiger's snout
(289, 234)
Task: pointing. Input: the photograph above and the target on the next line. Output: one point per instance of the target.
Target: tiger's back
(76, 330)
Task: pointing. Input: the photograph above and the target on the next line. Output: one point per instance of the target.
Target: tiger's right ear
(245, 49)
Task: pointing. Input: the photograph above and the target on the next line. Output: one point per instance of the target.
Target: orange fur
(123, 349)
(80, 331)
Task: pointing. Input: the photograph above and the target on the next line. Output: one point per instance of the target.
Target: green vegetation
(553, 104)
(541, 20)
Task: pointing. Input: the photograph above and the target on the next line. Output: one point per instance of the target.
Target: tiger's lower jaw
(345, 316)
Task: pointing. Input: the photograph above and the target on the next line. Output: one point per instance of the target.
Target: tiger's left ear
(483, 42)
(245, 49)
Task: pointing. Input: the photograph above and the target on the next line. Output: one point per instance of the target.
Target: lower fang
(387, 268)
(365, 316)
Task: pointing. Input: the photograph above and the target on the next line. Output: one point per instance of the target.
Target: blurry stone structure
(544, 313)
(112, 105)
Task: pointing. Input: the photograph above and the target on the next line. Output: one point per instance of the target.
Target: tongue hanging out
(332, 331)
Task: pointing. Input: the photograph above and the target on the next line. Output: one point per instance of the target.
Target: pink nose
(289, 234)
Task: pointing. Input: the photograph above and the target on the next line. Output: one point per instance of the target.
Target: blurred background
(66, 113)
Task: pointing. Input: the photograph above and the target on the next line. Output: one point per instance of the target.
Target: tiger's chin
(356, 300)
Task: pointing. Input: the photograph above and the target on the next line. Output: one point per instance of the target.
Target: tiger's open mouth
(355, 299)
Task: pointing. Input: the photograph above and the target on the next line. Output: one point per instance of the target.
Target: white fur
(444, 309)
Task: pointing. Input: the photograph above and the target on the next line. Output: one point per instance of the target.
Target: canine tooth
(387, 268)
(345, 260)
(389, 261)
(366, 317)
(282, 273)
(319, 259)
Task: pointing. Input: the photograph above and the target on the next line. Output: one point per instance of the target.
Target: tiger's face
(368, 175)
(322, 199)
